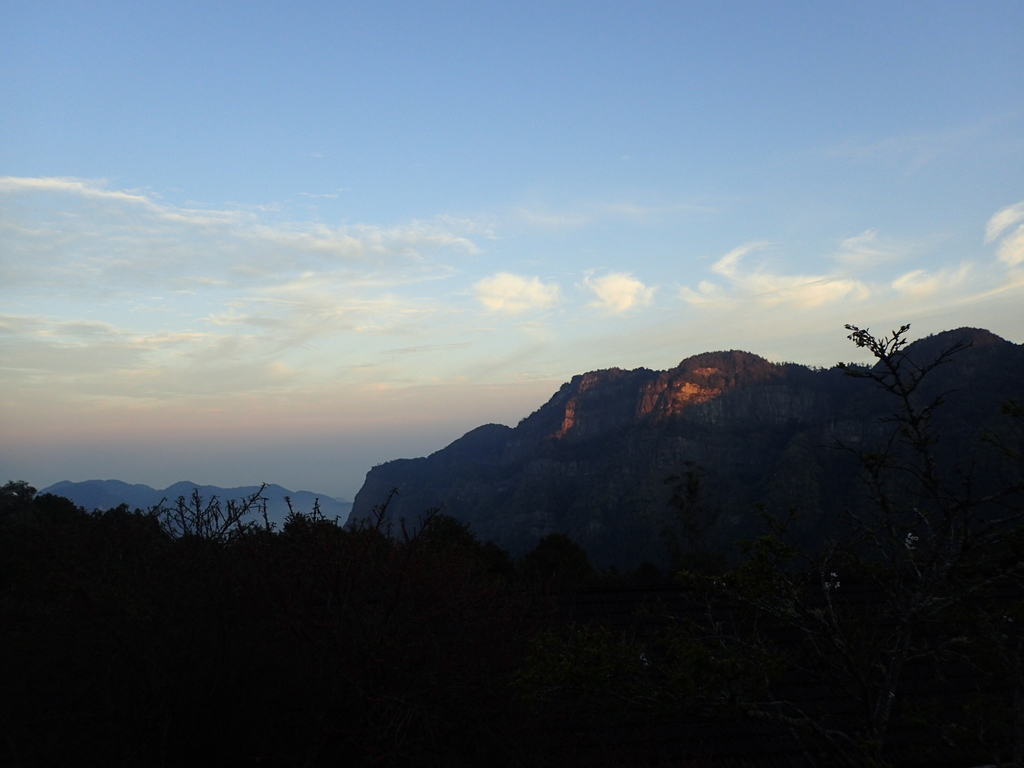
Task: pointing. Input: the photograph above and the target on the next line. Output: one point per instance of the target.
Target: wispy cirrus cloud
(42, 350)
(546, 219)
(922, 283)
(911, 150)
(591, 213)
(618, 292)
(134, 200)
(79, 232)
(760, 285)
(514, 294)
(246, 294)
(1011, 248)
(868, 250)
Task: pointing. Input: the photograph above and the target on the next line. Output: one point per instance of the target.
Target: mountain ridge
(596, 461)
(107, 494)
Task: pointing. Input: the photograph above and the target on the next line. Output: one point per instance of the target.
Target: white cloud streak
(588, 214)
(766, 288)
(921, 283)
(913, 151)
(248, 297)
(867, 250)
(1011, 249)
(78, 233)
(1003, 218)
(94, 191)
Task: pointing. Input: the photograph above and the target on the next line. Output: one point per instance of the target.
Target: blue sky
(284, 242)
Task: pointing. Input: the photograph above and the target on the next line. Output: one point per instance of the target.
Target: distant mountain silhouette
(601, 460)
(106, 494)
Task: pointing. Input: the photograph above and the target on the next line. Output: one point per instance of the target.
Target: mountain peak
(598, 460)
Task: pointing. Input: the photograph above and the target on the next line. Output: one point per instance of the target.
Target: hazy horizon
(284, 244)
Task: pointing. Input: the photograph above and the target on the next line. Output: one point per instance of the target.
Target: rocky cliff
(601, 460)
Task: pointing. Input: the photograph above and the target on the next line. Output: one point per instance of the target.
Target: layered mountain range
(615, 457)
(107, 494)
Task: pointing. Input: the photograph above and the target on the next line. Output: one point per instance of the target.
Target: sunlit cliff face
(601, 400)
(676, 395)
(666, 398)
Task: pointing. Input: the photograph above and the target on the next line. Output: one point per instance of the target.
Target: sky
(285, 242)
